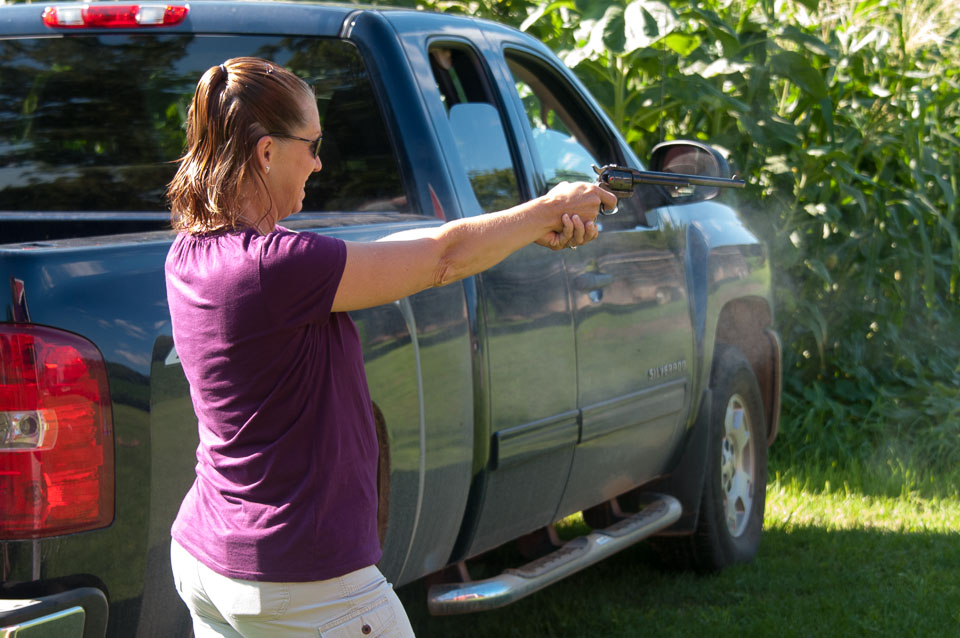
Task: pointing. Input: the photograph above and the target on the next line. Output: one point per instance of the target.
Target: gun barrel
(680, 179)
(623, 180)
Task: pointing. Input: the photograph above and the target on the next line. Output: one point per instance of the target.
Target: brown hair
(235, 104)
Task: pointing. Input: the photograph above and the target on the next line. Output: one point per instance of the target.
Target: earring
(268, 169)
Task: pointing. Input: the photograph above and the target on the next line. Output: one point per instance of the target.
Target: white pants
(361, 604)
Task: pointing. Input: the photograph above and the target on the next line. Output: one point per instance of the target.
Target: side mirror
(690, 158)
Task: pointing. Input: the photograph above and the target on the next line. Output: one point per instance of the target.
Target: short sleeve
(299, 275)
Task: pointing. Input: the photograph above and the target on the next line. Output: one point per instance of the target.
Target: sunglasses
(314, 144)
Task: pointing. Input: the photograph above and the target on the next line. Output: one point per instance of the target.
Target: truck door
(634, 342)
(526, 403)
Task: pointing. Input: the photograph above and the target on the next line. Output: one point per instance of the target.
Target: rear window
(94, 123)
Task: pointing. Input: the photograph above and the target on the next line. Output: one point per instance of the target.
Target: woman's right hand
(580, 198)
(578, 203)
(575, 233)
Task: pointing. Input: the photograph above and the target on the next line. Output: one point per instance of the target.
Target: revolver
(621, 181)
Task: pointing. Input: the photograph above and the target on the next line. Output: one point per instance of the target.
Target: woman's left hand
(575, 233)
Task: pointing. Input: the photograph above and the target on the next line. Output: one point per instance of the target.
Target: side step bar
(514, 584)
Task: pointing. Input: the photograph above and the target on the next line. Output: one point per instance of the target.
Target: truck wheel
(730, 520)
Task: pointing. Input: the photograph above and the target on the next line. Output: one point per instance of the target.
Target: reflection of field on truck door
(390, 376)
(447, 391)
(661, 331)
(519, 366)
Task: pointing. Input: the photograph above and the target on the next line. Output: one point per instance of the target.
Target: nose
(317, 164)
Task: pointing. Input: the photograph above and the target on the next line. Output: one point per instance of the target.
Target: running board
(514, 584)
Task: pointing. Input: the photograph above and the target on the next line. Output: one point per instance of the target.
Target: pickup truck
(635, 379)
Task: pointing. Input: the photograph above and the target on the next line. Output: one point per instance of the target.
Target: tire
(730, 520)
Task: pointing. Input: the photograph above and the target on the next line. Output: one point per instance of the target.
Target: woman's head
(243, 121)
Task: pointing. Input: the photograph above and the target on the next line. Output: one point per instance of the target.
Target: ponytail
(235, 104)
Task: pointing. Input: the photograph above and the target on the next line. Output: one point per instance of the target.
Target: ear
(264, 152)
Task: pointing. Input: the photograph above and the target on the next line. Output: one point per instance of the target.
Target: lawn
(836, 560)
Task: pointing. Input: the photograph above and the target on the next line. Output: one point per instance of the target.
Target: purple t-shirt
(286, 485)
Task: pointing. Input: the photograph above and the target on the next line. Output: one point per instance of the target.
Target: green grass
(838, 558)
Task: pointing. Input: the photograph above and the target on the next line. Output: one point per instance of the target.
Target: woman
(278, 534)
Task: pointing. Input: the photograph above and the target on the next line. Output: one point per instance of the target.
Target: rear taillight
(114, 16)
(56, 434)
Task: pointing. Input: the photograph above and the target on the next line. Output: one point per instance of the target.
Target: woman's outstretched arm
(400, 265)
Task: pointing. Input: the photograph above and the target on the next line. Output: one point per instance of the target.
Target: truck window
(568, 138)
(563, 131)
(94, 123)
(476, 126)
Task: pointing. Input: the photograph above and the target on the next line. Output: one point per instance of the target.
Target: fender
(729, 282)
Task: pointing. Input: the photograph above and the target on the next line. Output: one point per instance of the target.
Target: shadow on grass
(804, 582)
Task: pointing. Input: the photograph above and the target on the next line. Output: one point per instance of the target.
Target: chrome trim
(519, 443)
(514, 584)
(67, 623)
(629, 410)
(406, 310)
(346, 28)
